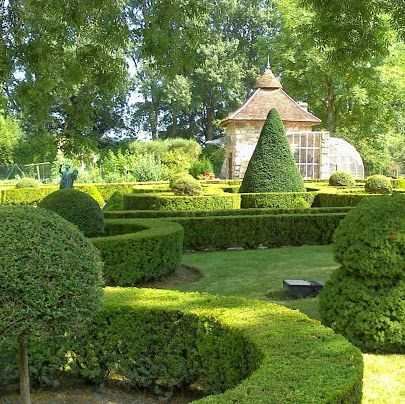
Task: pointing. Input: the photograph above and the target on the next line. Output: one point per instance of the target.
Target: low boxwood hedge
(171, 202)
(25, 196)
(221, 232)
(275, 199)
(324, 199)
(139, 250)
(134, 214)
(241, 351)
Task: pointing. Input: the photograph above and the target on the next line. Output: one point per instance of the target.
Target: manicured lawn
(258, 274)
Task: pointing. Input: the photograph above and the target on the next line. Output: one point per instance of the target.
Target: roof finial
(268, 63)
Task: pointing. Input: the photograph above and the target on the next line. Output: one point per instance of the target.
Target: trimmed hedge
(275, 199)
(25, 196)
(243, 351)
(340, 199)
(171, 202)
(218, 232)
(342, 179)
(138, 214)
(139, 250)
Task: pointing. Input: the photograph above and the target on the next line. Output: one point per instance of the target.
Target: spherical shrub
(342, 179)
(378, 184)
(27, 183)
(398, 183)
(364, 299)
(50, 274)
(369, 313)
(176, 176)
(370, 240)
(77, 207)
(186, 185)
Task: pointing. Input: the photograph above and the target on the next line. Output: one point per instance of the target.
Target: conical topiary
(272, 167)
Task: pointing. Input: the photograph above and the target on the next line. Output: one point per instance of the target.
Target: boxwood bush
(218, 232)
(342, 179)
(172, 202)
(139, 250)
(77, 207)
(378, 184)
(364, 300)
(275, 199)
(241, 351)
(27, 183)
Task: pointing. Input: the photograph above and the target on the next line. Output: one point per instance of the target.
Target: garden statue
(67, 177)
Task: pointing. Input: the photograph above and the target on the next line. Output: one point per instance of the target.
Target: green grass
(258, 274)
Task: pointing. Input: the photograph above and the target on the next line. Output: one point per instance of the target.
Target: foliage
(253, 231)
(341, 179)
(10, 136)
(364, 298)
(147, 168)
(93, 192)
(27, 183)
(77, 207)
(171, 202)
(115, 202)
(218, 342)
(139, 250)
(176, 176)
(398, 183)
(300, 202)
(201, 167)
(186, 185)
(216, 155)
(275, 199)
(272, 167)
(378, 184)
(48, 266)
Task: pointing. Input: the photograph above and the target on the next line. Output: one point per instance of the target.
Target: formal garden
(202, 201)
(236, 335)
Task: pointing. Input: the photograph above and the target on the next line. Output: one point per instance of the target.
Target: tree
(272, 167)
(47, 267)
(10, 135)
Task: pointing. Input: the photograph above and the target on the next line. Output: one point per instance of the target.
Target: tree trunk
(331, 119)
(24, 373)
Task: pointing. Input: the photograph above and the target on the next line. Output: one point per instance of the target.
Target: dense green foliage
(25, 196)
(272, 167)
(170, 202)
(275, 199)
(133, 214)
(340, 199)
(93, 192)
(27, 183)
(10, 135)
(378, 184)
(77, 207)
(139, 250)
(115, 202)
(300, 202)
(47, 267)
(364, 298)
(220, 232)
(215, 341)
(185, 185)
(398, 183)
(201, 167)
(342, 179)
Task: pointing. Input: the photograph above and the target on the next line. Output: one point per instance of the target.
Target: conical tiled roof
(267, 80)
(269, 94)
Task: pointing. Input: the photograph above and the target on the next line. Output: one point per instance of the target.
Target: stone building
(316, 153)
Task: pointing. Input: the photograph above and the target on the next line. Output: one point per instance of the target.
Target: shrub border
(139, 250)
(303, 361)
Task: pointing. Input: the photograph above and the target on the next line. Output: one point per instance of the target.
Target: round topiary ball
(370, 240)
(342, 179)
(50, 274)
(77, 207)
(369, 313)
(186, 185)
(27, 183)
(378, 184)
